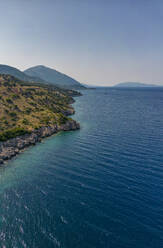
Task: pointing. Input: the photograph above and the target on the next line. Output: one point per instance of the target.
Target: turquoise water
(101, 186)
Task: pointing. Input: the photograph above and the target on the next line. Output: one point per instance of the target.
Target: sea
(98, 187)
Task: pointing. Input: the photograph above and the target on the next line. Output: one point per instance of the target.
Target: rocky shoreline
(12, 147)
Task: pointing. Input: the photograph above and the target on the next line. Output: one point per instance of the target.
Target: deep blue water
(99, 187)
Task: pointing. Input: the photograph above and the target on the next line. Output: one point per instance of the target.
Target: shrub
(12, 133)
(28, 111)
(25, 121)
(8, 100)
(13, 115)
(62, 119)
(15, 96)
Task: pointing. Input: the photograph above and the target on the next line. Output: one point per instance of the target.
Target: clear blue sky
(95, 41)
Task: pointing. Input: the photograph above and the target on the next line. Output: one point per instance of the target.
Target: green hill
(25, 107)
(9, 70)
(54, 77)
(42, 75)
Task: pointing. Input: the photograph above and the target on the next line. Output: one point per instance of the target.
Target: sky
(97, 42)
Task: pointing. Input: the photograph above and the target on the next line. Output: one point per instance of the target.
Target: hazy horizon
(96, 42)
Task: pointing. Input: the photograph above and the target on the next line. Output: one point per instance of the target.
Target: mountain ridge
(53, 76)
(13, 71)
(30, 75)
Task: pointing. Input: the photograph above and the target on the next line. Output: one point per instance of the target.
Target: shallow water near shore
(100, 186)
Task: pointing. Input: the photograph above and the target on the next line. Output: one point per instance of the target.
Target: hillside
(9, 70)
(25, 107)
(134, 84)
(54, 77)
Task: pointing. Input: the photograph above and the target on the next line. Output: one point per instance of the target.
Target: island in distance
(134, 85)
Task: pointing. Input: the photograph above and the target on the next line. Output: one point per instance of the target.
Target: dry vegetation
(25, 107)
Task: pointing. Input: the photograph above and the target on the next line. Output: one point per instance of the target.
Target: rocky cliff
(12, 147)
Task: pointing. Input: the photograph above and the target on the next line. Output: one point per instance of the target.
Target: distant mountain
(135, 84)
(54, 77)
(43, 75)
(6, 69)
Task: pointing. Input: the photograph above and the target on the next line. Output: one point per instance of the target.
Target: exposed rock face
(12, 147)
(68, 111)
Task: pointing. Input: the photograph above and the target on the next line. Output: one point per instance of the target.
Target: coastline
(31, 113)
(13, 147)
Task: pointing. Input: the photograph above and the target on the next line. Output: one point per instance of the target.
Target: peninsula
(30, 112)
